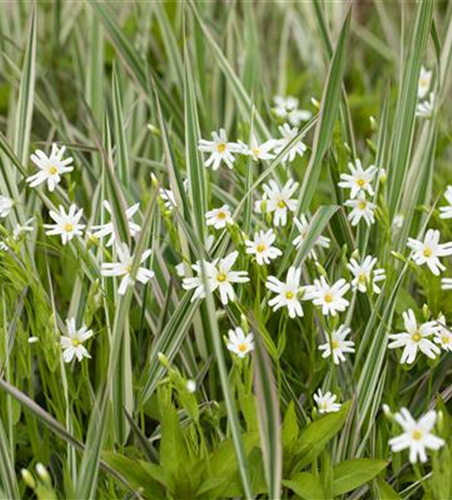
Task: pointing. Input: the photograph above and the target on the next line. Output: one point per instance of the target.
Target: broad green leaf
(306, 486)
(351, 474)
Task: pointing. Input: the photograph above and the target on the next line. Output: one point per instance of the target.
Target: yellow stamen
(417, 435)
(362, 278)
(242, 347)
(446, 339)
(221, 147)
(281, 204)
(69, 227)
(362, 204)
(53, 170)
(256, 151)
(289, 295)
(427, 252)
(221, 215)
(260, 248)
(221, 277)
(328, 297)
(335, 344)
(416, 337)
(361, 182)
(75, 342)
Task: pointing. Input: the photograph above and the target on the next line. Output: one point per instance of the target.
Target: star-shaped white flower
(287, 293)
(425, 80)
(50, 167)
(416, 338)
(72, 342)
(220, 150)
(326, 402)
(22, 229)
(123, 268)
(364, 274)
(102, 230)
(287, 135)
(67, 225)
(362, 209)
(359, 180)
(279, 200)
(338, 345)
(329, 297)
(259, 151)
(284, 105)
(239, 343)
(446, 212)
(6, 205)
(429, 251)
(303, 226)
(417, 435)
(443, 336)
(219, 217)
(262, 247)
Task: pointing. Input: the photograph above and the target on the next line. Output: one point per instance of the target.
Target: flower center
(75, 342)
(221, 215)
(69, 227)
(423, 82)
(53, 170)
(129, 268)
(242, 347)
(256, 151)
(362, 278)
(221, 147)
(446, 339)
(428, 252)
(362, 204)
(335, 344)
(289, 295)
(361, 182)
(328, 297)
(281, 204)
(416, 337)
(417, 435)
(261, 248)
(221, 277)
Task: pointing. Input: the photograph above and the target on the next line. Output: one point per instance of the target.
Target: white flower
(288, 134)
(425, 80)
(279, 201)
(262, 247)
(326, 402)
(180, 269)
(416, 435)
(21, 229)
(329, 297)
(222, 277)
(287, 292)
(123, 268)
(359, 180)
(219, 217)
(168, 198)
(220, 150)
(443, 336)
(108, 228)
(415, 338)
(67, 224)
(365, 275)
(303, 227)
(50, 167)
(259, 151)
(362, 209)
(397, 222)
(429, 251)
(446, 212)
(219, 276)
(284, 105)
(72, 343)
(446, 283)
(297, 116)
(191, 386)
(6, 204)
(338, 345)
(239, 343)
(425, 109)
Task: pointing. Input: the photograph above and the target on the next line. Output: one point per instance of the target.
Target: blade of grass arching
(406, 107)
(135, 64)
(9, 487)
(231, 411)
(193, 159)
(54, 426)
(169, 39)
(251, 68)
(122, 154)
(243, 99)
(269, 419)
(87, 480)
(328, 111)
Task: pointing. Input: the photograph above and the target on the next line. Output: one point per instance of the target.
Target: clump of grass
(225, 251)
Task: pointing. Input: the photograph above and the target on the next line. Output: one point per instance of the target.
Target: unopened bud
(42, 472)
(28, 478)
(163, 359)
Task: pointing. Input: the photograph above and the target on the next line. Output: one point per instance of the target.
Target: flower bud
(163, 359)
(28, 478)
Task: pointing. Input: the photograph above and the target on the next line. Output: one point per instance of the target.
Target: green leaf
(351, 474)
(385, 491)
(306, 486)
